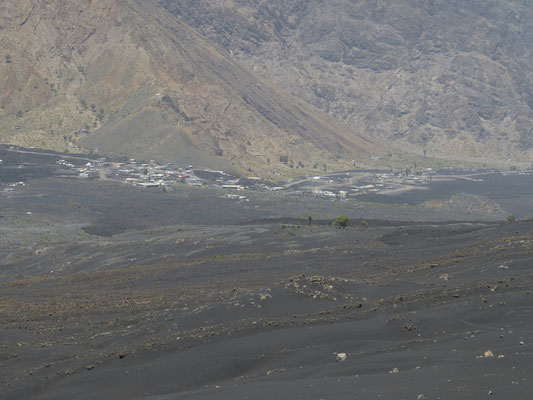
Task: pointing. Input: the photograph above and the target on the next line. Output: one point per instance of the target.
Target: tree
(511, 218)
(341, 222)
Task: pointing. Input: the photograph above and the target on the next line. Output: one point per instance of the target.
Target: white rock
(341, 357)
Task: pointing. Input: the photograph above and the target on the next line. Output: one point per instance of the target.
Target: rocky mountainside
(452, 79)
(127, 77)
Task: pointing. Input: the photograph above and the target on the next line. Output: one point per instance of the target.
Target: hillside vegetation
(129, 78)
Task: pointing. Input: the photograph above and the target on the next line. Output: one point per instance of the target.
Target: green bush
(511, 218)
(341, 222)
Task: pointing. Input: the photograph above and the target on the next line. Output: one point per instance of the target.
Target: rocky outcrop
(453, 78)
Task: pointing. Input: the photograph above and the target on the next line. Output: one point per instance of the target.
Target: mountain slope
(451, 78)
(148, 85)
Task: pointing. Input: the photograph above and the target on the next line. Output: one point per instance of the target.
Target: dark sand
(194, 296)
(512, 191)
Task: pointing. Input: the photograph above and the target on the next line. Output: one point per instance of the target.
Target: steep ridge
(451, 79)
(129, 78)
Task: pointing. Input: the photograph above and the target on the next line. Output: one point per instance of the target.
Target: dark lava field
(109, 291)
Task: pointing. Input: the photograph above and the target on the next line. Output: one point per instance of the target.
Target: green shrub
(511, 218)
(341, 222)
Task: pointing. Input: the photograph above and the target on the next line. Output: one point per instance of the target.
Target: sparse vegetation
(100, 115)
(341, 222)
(20, 114)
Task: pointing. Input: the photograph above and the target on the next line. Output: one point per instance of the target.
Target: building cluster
(342, 186)
(88, 170)
(152, 175)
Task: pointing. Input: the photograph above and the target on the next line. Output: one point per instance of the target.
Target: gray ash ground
(113, 291)
(513, 191)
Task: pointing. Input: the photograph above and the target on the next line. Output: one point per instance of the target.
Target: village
(336, 186)
(345, 185)
(18, 170)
